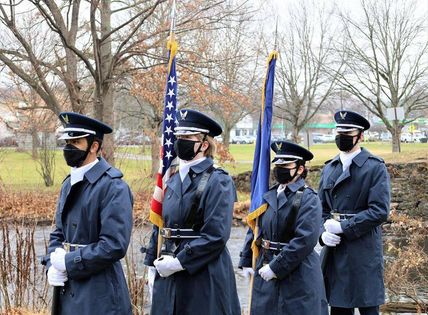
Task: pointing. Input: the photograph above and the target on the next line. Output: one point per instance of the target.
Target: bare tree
(46, 160)
(101, 60)
(30, 114)
(230, 86)
(386, 61)
(304, 83)
(91, 45)
(197, 31)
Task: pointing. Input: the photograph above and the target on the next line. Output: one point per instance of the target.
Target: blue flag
(261, 165)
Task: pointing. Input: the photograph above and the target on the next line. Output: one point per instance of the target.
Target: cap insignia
(65, 118)
(183, 115)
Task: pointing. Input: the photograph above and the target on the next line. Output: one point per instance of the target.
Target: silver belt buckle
(68, 246)
(341, 216)
(166, 233)
(265, 244)
(337, 216)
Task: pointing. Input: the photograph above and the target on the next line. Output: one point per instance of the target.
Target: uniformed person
(355, 194)
(93, 226)
(194, 273)
(288, 277)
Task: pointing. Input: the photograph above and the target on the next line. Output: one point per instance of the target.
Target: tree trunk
(295, 135)
(35, 143)
(226, 137)
(155, 149)
(104, 101)
(395, 131)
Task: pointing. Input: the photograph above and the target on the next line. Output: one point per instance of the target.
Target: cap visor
(279, 161)
(65, 136)
(186, 133)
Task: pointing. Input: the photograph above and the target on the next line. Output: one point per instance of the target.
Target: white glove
(247, 272)
(266, 273)
(58, 259)
(151, 273)
(56, 278)
(330, 239)
(167, 265)
(333, 226)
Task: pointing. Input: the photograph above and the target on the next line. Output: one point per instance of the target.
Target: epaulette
(221, 170)
(68, 176)
(328, 161)
(274, 186)
(376, 158)
(311, 189)
(114, 173)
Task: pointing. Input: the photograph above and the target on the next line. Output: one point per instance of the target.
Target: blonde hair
(211, 150)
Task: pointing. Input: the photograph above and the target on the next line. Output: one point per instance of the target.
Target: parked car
(277, 138)
(326, 138)
(412, 137)
(8, 142)
(132, 139)
(371, 136)
(317, 137)
(249, 139)
(242, 139)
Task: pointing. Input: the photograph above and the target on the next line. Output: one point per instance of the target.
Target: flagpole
(171, 34)
(256, 229)
(172, 26)
(276, 34)
(261, 209)
(253, 265)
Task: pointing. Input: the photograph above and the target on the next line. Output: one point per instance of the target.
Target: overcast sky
(270, 10)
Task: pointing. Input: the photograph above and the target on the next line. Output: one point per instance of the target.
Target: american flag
(167, 152)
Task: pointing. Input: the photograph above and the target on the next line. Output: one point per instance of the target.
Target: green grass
(243, 154)
(145, 150)
(19, 171)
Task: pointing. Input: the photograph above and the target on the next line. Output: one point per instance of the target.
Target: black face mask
(185, 149)
(346, 143)
(283, 175)
(74, 156)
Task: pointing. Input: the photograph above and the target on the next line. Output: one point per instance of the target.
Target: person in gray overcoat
(288, 278)
(355, 194)
(194, 274)
(93, 224)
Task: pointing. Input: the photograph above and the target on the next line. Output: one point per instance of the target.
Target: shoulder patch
(114, 173)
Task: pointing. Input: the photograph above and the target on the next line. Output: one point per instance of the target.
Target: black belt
(169, 233)
(342, 216)
(269, 245)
